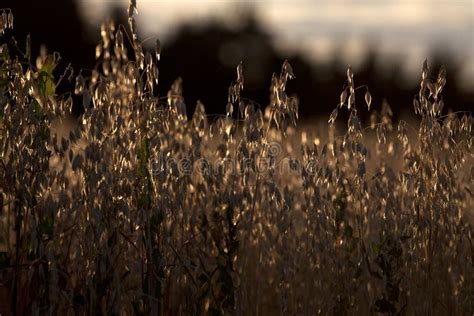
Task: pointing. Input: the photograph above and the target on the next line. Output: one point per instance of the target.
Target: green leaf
(43, 135)
(144, 201)
(143, 154)
(4, 53)
(376, 248)
(37, 110)
(46, 226)
(348, 231)
(3, 84)
(351, 244)
(47, 85)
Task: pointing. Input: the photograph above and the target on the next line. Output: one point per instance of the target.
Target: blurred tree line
(206, 57)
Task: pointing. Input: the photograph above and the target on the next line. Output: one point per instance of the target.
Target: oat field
(138, 209)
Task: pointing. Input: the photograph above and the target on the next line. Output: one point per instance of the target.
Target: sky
(408, 29)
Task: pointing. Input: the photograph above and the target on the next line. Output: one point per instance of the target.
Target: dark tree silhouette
(56, 24)
(205, 57)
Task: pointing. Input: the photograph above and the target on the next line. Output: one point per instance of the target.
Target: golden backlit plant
(140, 209)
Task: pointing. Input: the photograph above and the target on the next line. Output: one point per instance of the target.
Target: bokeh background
(385, 42)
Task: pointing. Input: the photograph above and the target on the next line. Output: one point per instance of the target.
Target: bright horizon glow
(409, 29)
